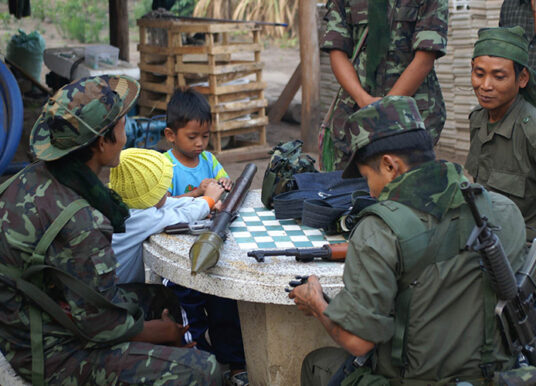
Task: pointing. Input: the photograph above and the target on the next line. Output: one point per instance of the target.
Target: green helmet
(81, 111)
(379, 122)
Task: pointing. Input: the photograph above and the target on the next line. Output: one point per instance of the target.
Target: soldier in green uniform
(63, 319)
(502, 155)
(413, 295)
(405, 37)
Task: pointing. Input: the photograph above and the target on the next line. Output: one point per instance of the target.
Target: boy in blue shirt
(188, 129)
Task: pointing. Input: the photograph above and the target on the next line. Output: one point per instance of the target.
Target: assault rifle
(516, 293)
(194, 228)
(328, 252)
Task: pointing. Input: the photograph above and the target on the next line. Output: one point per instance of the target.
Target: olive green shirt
(445, 329)
(504, 160)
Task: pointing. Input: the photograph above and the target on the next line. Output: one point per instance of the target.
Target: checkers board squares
(257, 228)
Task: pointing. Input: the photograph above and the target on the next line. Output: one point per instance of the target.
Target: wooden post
(310, 61)
(118, 15)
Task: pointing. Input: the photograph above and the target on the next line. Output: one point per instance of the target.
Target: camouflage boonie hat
(391, 115)
(79, 112)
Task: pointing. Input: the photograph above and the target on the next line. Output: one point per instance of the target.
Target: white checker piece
(267, 213)
(247, 218)
(263, 239)
(312, 232)
(284, 244)
(291, 227)
(256, 228)
(277, 233)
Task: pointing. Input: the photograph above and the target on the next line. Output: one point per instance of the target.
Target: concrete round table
(277, 336)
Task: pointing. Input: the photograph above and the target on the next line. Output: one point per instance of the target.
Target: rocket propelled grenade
(205, 251)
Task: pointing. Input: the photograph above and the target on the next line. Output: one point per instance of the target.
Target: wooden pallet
(166, 63)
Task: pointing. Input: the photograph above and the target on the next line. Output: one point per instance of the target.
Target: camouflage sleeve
(338, 35)
(363, 307)
(432, 27)
(88, 256)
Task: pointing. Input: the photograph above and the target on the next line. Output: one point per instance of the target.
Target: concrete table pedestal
(277, 336)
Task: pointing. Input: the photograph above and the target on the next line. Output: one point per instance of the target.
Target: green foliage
(83, 20)
(41, 9)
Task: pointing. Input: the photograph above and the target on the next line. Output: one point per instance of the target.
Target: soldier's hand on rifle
(308, 297)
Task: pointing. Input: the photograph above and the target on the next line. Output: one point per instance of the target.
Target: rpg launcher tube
(205, 251)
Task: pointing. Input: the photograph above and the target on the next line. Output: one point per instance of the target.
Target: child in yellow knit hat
(142, 179)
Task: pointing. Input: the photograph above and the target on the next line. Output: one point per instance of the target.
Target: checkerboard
(257, 228)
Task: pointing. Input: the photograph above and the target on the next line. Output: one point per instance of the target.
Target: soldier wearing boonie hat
(392, 244)
(57, 216)
(503, 128)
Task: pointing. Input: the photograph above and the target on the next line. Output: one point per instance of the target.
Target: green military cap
(79, 112)
(390, 124)
(509, 43)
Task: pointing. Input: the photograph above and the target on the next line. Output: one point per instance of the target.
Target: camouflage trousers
(136, 363)
(127, 363)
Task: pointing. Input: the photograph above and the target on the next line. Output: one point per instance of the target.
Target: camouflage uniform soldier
(56, 224)
(404, 39)
(412, 292)
(502, 155)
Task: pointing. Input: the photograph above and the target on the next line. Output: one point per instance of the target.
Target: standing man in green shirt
(502, 155)
(412, 292)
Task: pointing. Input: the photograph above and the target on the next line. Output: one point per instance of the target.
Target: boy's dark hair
(187, 105)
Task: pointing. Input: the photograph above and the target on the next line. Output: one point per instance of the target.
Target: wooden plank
(217, 69)
(157, 69)
(221, 90)
(157, 87)
(279, 108)
(230, 115)
(236, 124)
(224, 78)
(310, 59)
(255, 94)
(234, 48)
(237, 106)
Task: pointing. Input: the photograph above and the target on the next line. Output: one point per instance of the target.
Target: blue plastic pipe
(12, 116)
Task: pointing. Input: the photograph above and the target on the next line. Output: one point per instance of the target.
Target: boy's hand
(177, 331)
(201, 189)
(213, 190)
(226, 183)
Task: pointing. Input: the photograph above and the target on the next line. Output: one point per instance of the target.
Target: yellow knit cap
(142, 177)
